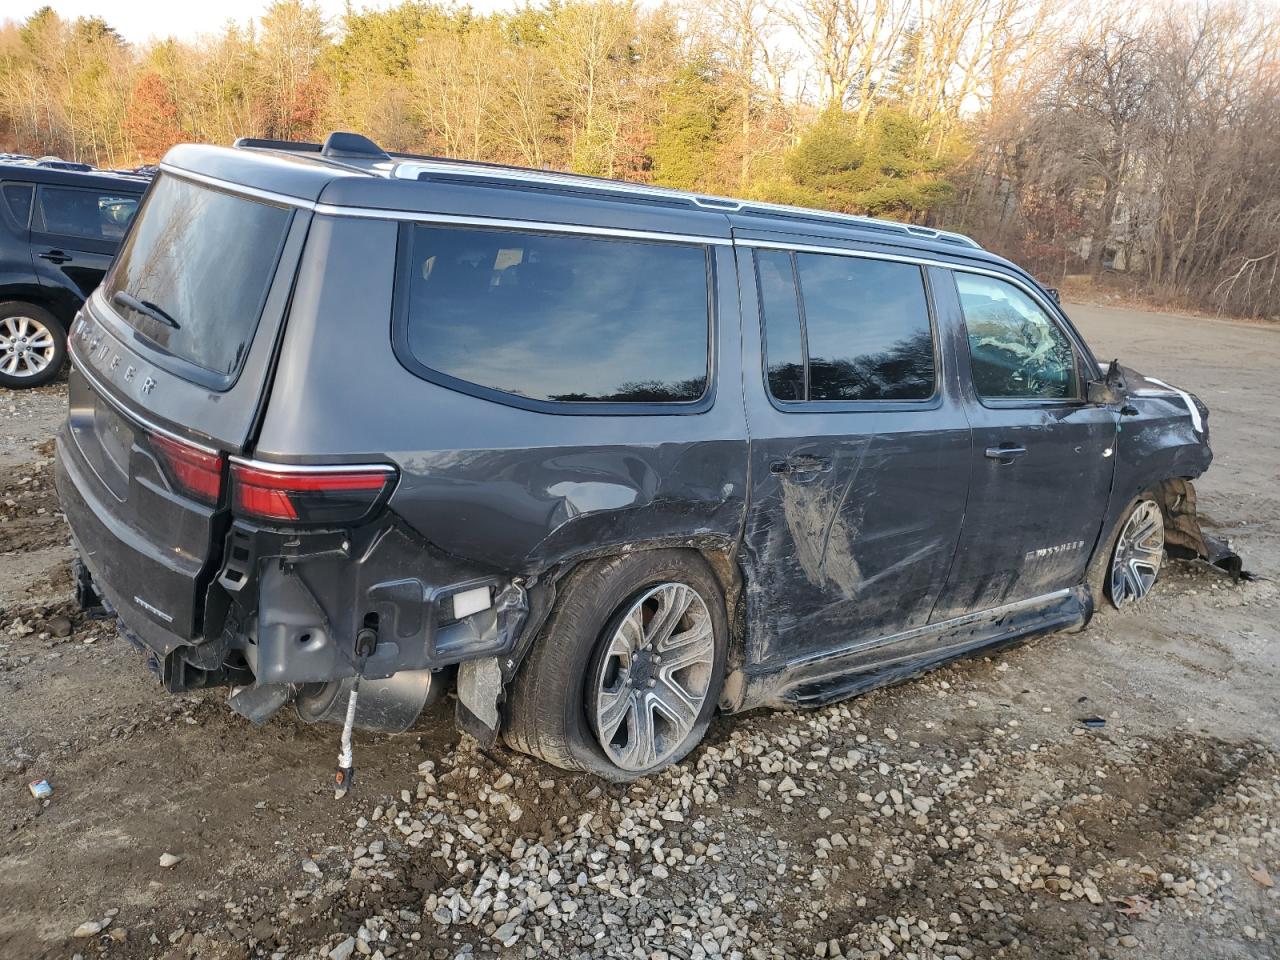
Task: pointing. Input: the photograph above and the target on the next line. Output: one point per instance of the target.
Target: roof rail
(431, 168)
(263, 143)
(340, 146)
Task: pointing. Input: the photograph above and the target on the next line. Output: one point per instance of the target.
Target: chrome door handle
(1006, 453)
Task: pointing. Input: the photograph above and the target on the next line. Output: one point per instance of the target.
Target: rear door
(16, 270)
(75, 231)
(1042, 459)
(859, 449)
(172, 356)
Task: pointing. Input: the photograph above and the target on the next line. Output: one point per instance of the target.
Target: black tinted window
(1016, 350)
(784, 347)
(18, 198)
(868, 329)
(204, 259)
(560, 318)
(94, 214)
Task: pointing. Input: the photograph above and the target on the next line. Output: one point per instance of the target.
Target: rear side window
(91, 214)
(193, 275)
(1016, 351)
(862, 333)
(558, 318)
(17, 196)
(784, 340)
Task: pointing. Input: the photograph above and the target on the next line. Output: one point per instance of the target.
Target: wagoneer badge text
(1054, 551)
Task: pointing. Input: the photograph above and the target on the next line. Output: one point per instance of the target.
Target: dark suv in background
(60, 225)
(348, 428)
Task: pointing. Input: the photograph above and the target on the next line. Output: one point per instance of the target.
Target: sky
(140, 20)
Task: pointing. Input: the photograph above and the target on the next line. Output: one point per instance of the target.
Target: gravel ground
(970, 814)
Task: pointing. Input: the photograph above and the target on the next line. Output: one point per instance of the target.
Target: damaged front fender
(1184, 538)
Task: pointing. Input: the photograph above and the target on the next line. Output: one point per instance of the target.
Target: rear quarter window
(193, 274)
(17, 197)
(555, 320)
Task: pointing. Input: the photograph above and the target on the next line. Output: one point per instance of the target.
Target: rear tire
(33, 345)
(584, 672)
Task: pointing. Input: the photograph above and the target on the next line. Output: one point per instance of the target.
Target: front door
(1042, 459)
(859, 451)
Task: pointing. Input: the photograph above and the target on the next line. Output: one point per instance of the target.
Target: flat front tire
(625, 676)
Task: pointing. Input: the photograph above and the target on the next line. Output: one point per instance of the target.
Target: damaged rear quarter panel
(511, 489)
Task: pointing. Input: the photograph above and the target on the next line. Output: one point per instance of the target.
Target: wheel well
(719, 556)
(50, 304)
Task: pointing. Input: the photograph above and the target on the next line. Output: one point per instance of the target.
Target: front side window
(559, 318)
(863, 332)
(92, 214)
(1016, 350)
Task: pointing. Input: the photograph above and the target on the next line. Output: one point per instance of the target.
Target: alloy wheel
(652, 678)
(26, 346)
(1138, 554)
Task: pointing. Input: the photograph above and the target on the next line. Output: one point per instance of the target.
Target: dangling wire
(346, 765)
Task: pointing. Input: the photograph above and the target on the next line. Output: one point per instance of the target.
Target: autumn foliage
(1077, 138)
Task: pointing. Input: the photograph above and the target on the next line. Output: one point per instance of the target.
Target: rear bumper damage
(299, 618)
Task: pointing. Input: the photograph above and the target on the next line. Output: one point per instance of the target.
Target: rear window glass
(92, 214)
(557, 318)
(193, 275)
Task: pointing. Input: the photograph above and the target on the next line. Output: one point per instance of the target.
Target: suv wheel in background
(33, 345)
(626, 675)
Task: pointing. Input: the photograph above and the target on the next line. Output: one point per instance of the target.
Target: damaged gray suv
(350, 429)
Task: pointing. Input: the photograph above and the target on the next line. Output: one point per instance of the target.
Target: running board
(820, 679)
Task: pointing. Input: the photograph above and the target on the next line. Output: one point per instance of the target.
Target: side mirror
(1054, 295)
(1103, 394)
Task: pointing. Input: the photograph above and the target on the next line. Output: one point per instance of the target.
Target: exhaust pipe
(388, 705)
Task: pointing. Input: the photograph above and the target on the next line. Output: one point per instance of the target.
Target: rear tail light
(195, 471)
(282, 494)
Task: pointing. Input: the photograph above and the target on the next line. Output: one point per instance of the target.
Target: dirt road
(967, 814)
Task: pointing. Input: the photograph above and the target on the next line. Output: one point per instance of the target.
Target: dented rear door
(856, 505)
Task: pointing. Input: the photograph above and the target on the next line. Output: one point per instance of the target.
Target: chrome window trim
(529, 226)
(928, 628)
(229, 186)
(290, 469)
